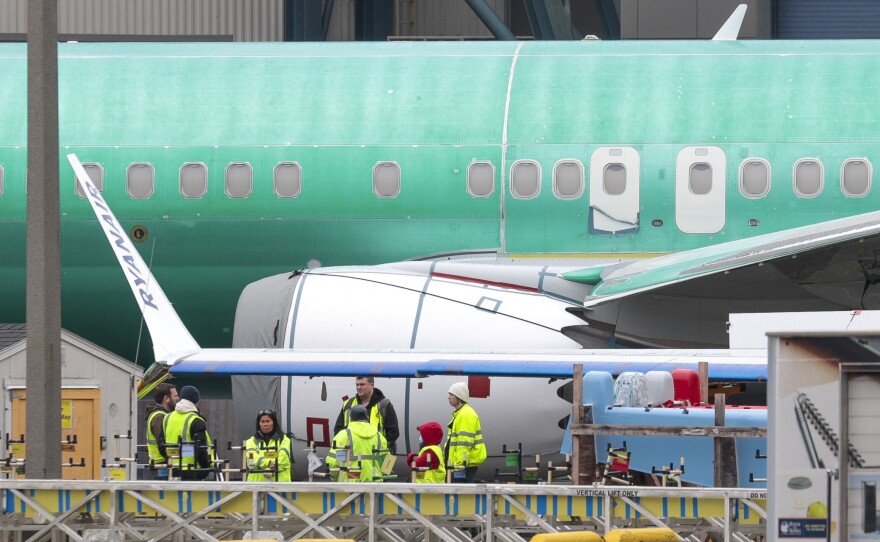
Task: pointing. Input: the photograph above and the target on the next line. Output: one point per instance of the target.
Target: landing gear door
(699, 189)
(614, 190)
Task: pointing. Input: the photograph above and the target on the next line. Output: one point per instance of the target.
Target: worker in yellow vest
(465, 450)
(164, 400)
(194, 455)
(268, 451)
(358, 450)
(379, 408)
(428, 465)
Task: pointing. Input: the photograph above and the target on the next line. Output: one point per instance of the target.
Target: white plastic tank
(661, 389)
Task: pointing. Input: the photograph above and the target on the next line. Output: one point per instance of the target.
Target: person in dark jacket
(194, 456)
(379, 409)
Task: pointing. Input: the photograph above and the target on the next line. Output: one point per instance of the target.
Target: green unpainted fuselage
(433, 108)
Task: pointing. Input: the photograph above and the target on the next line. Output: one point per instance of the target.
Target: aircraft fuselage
(232, 162)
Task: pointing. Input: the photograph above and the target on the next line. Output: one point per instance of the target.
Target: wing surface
(174, 345)
(723, 364)
(630, 278)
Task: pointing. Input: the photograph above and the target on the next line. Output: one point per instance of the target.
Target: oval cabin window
(481, 179)
(239, 180)
(386, 179)
(96, 174)
(855, 177)
(614, 179)
(754, 178)
(140, 180)
(808, 178)
(288, 180)
(193, 180)
(700, 179)
(568, 179)
(525, 179)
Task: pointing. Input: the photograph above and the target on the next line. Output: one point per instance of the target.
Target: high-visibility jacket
(377, 412)
(153, 440)
(359, 451)
(464, 441)
(178, 427)
(259, 453)
(433, 476)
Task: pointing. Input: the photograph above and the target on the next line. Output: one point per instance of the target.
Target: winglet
(171, 340)
(729, 31)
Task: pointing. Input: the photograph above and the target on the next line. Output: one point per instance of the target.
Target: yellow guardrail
(307, 506)
(647, 534)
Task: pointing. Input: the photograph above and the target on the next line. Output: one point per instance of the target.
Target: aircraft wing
(723, 364)
(860, 232)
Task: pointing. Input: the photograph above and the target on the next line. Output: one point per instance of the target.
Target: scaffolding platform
(183, 511)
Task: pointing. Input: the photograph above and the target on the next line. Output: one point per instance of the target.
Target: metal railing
(156, 510)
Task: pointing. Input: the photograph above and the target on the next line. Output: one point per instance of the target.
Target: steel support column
(491, 19)
(609, 18)
(43, 313)
(325, 18)
(373, 20)
(539, 19)
(303, 20)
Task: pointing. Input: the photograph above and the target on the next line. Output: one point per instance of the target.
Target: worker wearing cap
(464, 442)
(187, 425)
(357, 449)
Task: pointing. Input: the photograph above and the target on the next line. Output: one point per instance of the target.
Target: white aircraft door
(700, 175)
(614, 190)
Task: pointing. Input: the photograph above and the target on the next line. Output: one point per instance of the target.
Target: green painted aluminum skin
(433, 108)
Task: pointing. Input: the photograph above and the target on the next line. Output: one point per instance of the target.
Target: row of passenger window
(808, 178)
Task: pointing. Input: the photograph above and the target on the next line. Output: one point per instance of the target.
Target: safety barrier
(650, 534)
(113, 510)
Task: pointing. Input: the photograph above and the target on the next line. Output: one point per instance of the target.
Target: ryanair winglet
(171, 340)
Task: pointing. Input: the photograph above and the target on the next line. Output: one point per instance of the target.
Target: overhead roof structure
(11, 334)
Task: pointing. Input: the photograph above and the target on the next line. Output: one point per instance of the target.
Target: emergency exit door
(700, 189)
(80, 416)
(614, 190)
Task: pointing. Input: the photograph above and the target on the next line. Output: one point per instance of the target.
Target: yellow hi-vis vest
(259, 453)
(177, 428)
(464, 441)
(152, 440)
(362, 461)
(433, 476)
(377, 412)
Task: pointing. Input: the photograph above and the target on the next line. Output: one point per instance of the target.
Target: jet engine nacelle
(387, 307)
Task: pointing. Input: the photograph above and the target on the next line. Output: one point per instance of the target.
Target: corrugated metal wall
(240, 20)
(452, 18)
(824, 19)
(243, 20)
